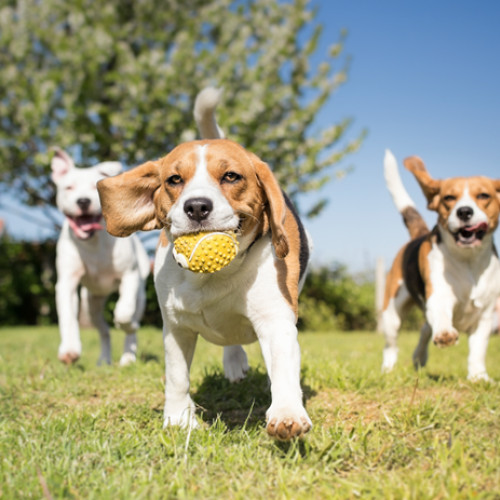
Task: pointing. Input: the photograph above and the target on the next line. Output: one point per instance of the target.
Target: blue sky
(424, 79)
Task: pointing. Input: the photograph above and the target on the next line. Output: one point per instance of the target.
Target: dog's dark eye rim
(449, 197)
(231, 177)
(174, 180)
(483, 196)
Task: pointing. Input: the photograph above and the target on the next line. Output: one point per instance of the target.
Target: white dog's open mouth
(84, 226)
(471, 236)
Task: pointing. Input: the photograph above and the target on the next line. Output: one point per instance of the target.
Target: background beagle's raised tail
(405, 205)
(204, 113)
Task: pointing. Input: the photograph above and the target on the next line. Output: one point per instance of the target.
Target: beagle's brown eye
(449, 198)
(174, 180)
(483, 196)
(231, 177)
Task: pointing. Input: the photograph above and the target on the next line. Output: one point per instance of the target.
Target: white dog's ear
(61, 164)
(109, 168)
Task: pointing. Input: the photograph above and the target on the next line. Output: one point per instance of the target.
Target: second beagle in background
(451, 272)
(217, 185)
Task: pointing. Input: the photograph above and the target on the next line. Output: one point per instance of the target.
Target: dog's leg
(128, 313)
(96, 309)
(70, 348)
(286, 417)
(235, 363)
(421, 352)
(179, 350)
(439, 315)
(391, 321)
(478, 343)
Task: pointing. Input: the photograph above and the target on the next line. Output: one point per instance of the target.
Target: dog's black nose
(198, 209)
(465, 213)
(83, 203)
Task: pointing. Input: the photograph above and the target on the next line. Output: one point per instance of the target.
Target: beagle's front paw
(446, 338)
(68, 358)
(286, 423)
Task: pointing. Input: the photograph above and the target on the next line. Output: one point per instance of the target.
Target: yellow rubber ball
(205, 252)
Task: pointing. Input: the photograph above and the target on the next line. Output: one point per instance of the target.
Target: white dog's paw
(235, 363)
(126, 325)
(128, 358)
(390, 358)
(185, 418)
(287, 423)
(479, 377)
(446, 338)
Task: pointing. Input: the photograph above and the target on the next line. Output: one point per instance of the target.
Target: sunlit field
(96, 432)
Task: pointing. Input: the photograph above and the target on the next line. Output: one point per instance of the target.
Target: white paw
(127, 326)
(390, 358)
(285, 423)
(127, 358)
(235, 363)
(479, 377)
(181, 414)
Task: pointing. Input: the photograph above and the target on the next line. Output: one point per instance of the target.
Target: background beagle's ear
(60, 164)
(430, 187)
(276, 206)
(128, 200)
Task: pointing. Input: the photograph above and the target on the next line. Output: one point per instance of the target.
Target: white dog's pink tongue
(84, 226)
(91, 226)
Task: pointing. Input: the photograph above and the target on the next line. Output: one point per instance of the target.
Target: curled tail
(204, 113)
(411, 217)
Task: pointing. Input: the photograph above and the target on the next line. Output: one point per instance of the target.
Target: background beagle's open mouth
(469, 236)
(84, 226)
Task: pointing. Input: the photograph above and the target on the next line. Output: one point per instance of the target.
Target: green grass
(96, 432)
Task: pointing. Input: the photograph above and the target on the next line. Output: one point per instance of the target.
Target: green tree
(116, 80)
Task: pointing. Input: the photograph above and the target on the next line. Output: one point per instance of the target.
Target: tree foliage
(116, 80)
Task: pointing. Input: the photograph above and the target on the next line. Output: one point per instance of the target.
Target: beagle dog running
(217, 185)
(451, 272)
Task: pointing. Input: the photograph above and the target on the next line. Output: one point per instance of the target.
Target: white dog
(216, 185)
(89, 256)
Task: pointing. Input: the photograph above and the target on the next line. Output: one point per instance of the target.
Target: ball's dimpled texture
(205, 252)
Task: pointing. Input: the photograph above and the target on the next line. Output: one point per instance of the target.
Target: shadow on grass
(147, 357)
(237, 405)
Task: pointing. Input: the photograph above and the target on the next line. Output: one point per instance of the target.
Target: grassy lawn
(95, 432)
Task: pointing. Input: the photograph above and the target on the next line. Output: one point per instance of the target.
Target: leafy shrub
(334, 299)
(27, 282)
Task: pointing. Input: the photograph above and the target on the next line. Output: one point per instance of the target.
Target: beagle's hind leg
(391, 320)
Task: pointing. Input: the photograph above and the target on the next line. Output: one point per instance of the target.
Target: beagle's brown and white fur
(451, 272)
(217, 185)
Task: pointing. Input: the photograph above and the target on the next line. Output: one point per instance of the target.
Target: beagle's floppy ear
(276, 206)
(128, 200)
(496, 183)
(430, 187)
